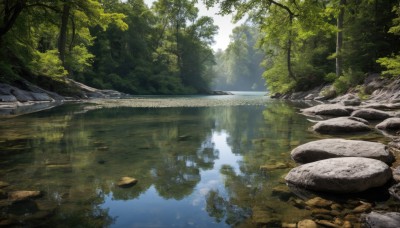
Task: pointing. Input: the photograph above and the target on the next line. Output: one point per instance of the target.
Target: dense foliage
(165, 49)
(307, 42)
(123, 45)
(239, 66)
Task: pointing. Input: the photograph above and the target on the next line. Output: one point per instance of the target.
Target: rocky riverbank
(337, 166)
(27, 97)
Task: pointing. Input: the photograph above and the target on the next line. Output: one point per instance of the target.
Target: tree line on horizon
(166, 48)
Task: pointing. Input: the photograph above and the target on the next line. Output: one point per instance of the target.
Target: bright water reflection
(196, 166)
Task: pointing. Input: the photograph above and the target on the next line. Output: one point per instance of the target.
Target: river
(197, 160)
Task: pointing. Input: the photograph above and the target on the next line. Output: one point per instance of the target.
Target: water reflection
(196, 166)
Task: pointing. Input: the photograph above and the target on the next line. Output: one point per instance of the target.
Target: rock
(317, 211)
(331, 148)
(340, 175)
(346, 224)
(319, 202)
(326, 223)
(341, 125)
(395, 191)
(327, 109)
(364, 207)
(307, 223)
(371, 114)
(288, 225)
(278, 165)
(126, 182)
(389, 124)
(382, 220)
(23, 195)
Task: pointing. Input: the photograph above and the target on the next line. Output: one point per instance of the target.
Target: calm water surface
(196, 166)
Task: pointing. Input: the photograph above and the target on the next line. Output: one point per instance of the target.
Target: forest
(283, 45)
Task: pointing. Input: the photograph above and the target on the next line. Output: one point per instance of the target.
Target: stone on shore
(341, 125)
(340, 175)
(382, 220)
(126, 182)
(371, 114)
(390, 124)
(327, 109)
(332, 148)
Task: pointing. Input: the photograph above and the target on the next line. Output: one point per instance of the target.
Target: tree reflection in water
(191, 163)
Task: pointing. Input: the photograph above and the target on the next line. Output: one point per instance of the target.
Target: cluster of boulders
(338, 165)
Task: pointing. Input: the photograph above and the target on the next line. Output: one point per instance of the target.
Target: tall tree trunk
(339, 38)
(62, 40)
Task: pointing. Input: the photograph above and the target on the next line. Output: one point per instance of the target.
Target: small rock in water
(23, 195)
(364, 207)
(288, 225)
(319, 202)
(307, 223)
(126, 182)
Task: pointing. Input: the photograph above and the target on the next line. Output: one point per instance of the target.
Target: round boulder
(371, 114)
(341, 125)
(332, 148)
(390, 124)
(382, 220)
(340, 175)
(327, 109)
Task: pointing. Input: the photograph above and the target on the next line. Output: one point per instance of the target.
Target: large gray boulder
(371, 114)
(390, 124)
(340, 175)
(382, 220)
(332, 148)
(341, 125)
(328, 110)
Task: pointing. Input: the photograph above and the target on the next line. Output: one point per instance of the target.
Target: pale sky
(223, 22)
